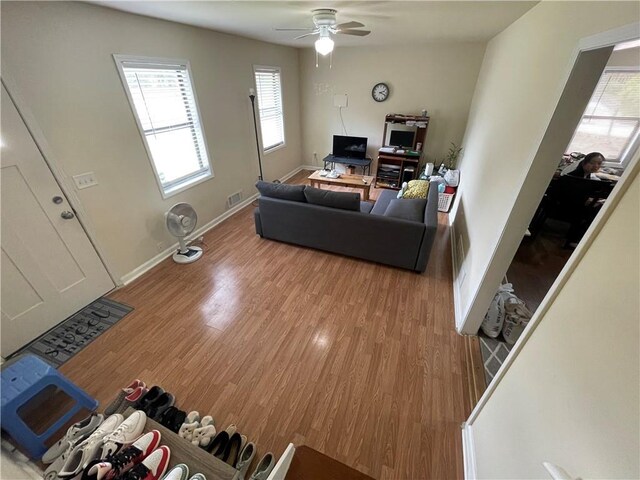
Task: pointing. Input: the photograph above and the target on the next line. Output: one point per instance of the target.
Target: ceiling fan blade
(359, 33)
(306, 35)
(342, 26)
(294, 29)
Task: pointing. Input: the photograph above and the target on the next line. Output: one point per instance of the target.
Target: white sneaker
(88, 450)
(75, 433)
(126, 433)
(179, 472)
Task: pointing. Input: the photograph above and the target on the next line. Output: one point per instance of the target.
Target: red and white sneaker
(132, 398)
(152, 467)
(114, 406)
(126, 459)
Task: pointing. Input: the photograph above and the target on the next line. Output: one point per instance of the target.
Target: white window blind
(611, 122)
(269, 93)
(164, 103)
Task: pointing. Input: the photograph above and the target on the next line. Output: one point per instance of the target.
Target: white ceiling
(391, 22)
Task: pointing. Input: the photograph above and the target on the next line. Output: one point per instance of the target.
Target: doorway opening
(604, 143)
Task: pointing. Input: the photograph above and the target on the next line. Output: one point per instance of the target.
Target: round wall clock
(380, 92)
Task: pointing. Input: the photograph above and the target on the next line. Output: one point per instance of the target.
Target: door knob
(67, 215)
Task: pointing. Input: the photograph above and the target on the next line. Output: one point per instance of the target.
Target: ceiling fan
(325, 25)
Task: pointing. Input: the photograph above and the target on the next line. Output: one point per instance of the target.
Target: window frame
(187, 181)
(256, 69)
(634, 140)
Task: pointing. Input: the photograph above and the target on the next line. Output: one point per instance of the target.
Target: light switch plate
(85, 180)
(341, 100)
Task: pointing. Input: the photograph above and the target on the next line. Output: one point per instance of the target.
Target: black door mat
(69, 337)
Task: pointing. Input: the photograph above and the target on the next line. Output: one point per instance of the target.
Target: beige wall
(519, 85)
(438, 77)
(572, 395)
(59, 55)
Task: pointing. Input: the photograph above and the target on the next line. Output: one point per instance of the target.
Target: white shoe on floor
(88, 449)
(179, 472)
(189, 425)
(75, 433)
(126, 433)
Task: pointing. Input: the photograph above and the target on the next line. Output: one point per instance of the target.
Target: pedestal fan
(181, 221)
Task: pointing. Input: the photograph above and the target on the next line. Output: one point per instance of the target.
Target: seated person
(586, 168)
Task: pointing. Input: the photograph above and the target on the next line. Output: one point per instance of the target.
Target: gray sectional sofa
(348, 226)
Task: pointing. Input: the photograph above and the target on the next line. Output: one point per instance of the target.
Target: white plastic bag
(517, 316)
(494, 319)
(452, 177)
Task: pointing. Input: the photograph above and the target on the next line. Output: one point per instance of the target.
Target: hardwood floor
(357, 360)
(538, 262)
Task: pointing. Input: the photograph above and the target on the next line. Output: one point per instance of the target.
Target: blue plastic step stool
(22, 380)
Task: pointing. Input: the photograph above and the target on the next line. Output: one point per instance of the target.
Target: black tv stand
(364, 163)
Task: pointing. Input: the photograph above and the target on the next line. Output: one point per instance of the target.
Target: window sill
(192, 182)
(274, 149)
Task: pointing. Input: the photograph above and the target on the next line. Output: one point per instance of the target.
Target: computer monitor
(401, 138)
(349, 147)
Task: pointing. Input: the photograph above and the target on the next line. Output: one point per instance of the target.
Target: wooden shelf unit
(391, 162)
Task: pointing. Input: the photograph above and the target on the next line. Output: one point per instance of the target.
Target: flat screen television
(350, 147)
(401, 138)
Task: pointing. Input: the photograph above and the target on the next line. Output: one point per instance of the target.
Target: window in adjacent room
(163, 100)
(611, 122)
(269, 95)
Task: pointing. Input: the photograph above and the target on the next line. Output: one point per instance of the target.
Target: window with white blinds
(611, 122)
(163, 101)
(269, 94)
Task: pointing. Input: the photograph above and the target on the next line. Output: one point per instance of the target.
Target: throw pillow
(328, 198)
(282, 191)
(416, 189)
(408, 209)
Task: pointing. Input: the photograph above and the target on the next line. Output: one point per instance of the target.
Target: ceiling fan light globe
(324, 45)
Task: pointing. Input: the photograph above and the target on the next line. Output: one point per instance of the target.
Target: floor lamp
(252, 97)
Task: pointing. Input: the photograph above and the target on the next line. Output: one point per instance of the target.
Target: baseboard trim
(457, 311)
(468, 453)
(152, 262)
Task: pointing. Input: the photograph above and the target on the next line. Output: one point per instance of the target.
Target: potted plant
(450, 159)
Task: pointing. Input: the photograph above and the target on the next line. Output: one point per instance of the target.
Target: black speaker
(408, 174)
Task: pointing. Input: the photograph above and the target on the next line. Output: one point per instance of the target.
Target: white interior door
(49, 268)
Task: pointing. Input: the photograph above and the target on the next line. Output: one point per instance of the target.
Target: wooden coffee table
(362, 182)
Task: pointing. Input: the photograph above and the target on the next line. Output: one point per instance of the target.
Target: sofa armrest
(431, 224)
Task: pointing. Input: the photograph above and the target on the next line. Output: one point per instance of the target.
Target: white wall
(629, 57)
(438, 77)
(59, 55)
(520, 82)
(572, 395)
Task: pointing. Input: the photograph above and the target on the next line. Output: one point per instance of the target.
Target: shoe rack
(196, 458)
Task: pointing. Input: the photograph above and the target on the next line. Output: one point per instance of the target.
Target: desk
(364, 163)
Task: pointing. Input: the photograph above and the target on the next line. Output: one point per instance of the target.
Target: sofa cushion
(383, 202)
(329, 198)
(416, 189)
(282, 191)
(408, 209)
(365, 207)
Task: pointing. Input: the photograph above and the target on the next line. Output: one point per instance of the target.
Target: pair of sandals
(199, 432)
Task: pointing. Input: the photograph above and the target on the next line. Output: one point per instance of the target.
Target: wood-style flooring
(538, 262)
(357, 360)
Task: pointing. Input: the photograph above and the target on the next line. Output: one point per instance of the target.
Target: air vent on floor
(234, 199)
